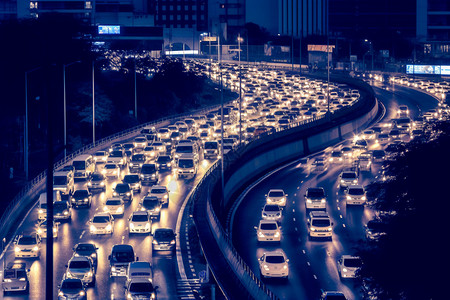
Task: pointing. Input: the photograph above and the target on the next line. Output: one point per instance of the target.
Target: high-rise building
(182, 14)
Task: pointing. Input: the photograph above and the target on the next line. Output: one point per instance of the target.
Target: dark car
(164, 162)
(152, 205)
(163, 239)
(124, 191)
(134, 181)
(86, 249)
(136, 162)
(97, 182)
(71, 288)
(81, 198)
(149, 174)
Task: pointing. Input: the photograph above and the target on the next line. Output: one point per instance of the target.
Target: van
(212, 150)
(84, 165)
(186, 167)
(140, 269)
(42, 208)
(63, 182)
(186, 150)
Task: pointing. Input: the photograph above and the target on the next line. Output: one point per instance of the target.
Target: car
(111, 170)
(123, 191)
(347, 177)
(86, 249)
(365, 161)
(140, 142)
(134, 181)
(140, 269)
(368, 135)
(81, 198)
(268, 231)
(16, 277)
(140, 288)
(347, 152)
(163, 239)
(97, 182)
(120, 258)
(315, 198)
(271, 212)
(81, 267)
(136, 162)
(164, 162)
(152, 205)
(149, 152)
(72, 288)
(115, 206)
(402, 111)
(319, 165)
(42, 229)
(348, 266)
(211, 150)
(27, 245)
(102, 223)
(117, 157)
(375, 229)
(62, 210)
(332, 295)
(274, 264)
(336, 157)
(378, 156)
(276, 196)
(100, 157)
(161, 192)
(149, 174)
(319, 225)
(140, 222)
(355, 195)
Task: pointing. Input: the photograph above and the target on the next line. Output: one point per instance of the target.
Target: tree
(410, 261)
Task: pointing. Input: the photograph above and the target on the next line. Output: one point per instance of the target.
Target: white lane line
(343, 225)
(339, 208)
(304, 252)
(296, 229)
(293, 219)
(81, 235)
(308, 263)
(340, 216)
(293, 210)
(315, 277)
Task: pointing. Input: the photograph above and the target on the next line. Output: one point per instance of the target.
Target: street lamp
(240, 40)
(65, 110)
(93, 103)
(371, 50)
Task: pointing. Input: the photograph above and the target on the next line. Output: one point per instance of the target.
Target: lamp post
(65, 107)
(135, 89)
(371, 50)
(93, 103)
(240, 93)
(25, 143)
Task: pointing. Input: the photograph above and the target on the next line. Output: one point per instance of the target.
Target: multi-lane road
(313, 263)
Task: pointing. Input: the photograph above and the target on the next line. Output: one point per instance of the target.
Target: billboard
(108, 29)
(424, 69)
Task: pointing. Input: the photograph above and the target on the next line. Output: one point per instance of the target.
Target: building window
(194, 17)
(171, 17)
(88, 5)
(163, 7)
(171, 7)
(164, 17)
(33, 5)
(178, 7)
(186, 7)
(186, 17)
(202, 7)
(179, 17)
(194, 7)
(202, 17)
(427, 48)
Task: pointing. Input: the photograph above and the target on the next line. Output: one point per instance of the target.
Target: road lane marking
(81, 236)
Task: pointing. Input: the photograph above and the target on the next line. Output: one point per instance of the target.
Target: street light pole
(93, 103)
(240, 93)
(65, 106)
(328, 64)
(135, 89)
(25, 143)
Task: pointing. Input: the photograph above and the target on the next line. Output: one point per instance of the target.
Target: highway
(313, 263)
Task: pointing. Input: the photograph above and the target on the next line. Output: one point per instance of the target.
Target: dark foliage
(410, 262)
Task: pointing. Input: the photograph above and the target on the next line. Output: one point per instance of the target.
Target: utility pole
(93, 104)
(240, 93)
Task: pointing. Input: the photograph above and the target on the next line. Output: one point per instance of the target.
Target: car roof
(275, 253)
(276, 190)
(268, 222)
(158, 187)
(101, 214)
(355, 186)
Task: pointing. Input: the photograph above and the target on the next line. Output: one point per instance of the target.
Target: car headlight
(266, 267)
(17, 249)
(342, 181)
(313, 229)
(147, 226)
(113, 269)
(277, 234)
(66, 212)
(264, 215)
(166, 196)
(169, 164)
(60, 294)
(89, 183)
(344, 270)
(131, 164)
(120, 209)
(329, 228)
(157, 209)
(363, 198)
(128, 193)
(260, 234)
(108, 227)
(355, 181)
(285, 267)
(131, 225)
(104, 171)
(155, 242)
(35, 248)
(39, 230)
(105, 208)
(172, 242)
(349, 198)
(40, 211)
(86, 199)
(323, 200)
(82, 293)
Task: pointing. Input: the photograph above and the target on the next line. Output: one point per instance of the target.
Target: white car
(27, 245)
(402, 111)
(100, 156)
(348, 266)
(347, 178)
(315, 198)
(102, 223)
(271, 212)
(274, 264)
(355, 195)
(268, 231)
(276, 197)
(81, 267)
(42, 229)
(140, 222)
(160, 192)
(115, 206)
(111, 171)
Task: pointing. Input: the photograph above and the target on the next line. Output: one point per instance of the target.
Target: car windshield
(352, 262)
(138, 157)
(131, 178)
(186, 163)
(122, 188)
(150, 203)
(184, 149)
(79, 165)
(315, 193)
(166, 233)
(336, 154)
(79, 264)
(80, 193)
(85, 247)
(211, 145)
(100, 153)
(97, 177)
(60, 180)
(271, 208)
(321, 223)
(72, 285)
(336, 297)
(356, 191)
(158, 191)
(141, 287)
(60, 205)
(110, 166)
(116, 153)
(113, 202)
(376, 226)
(349, 175)
(276, 194)
(10, 274)
(139, 218)
(268, 226)
(148, 169)
(378, 153)
(100, 219)
(275, 259)
(124, 256)
(163, 159)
